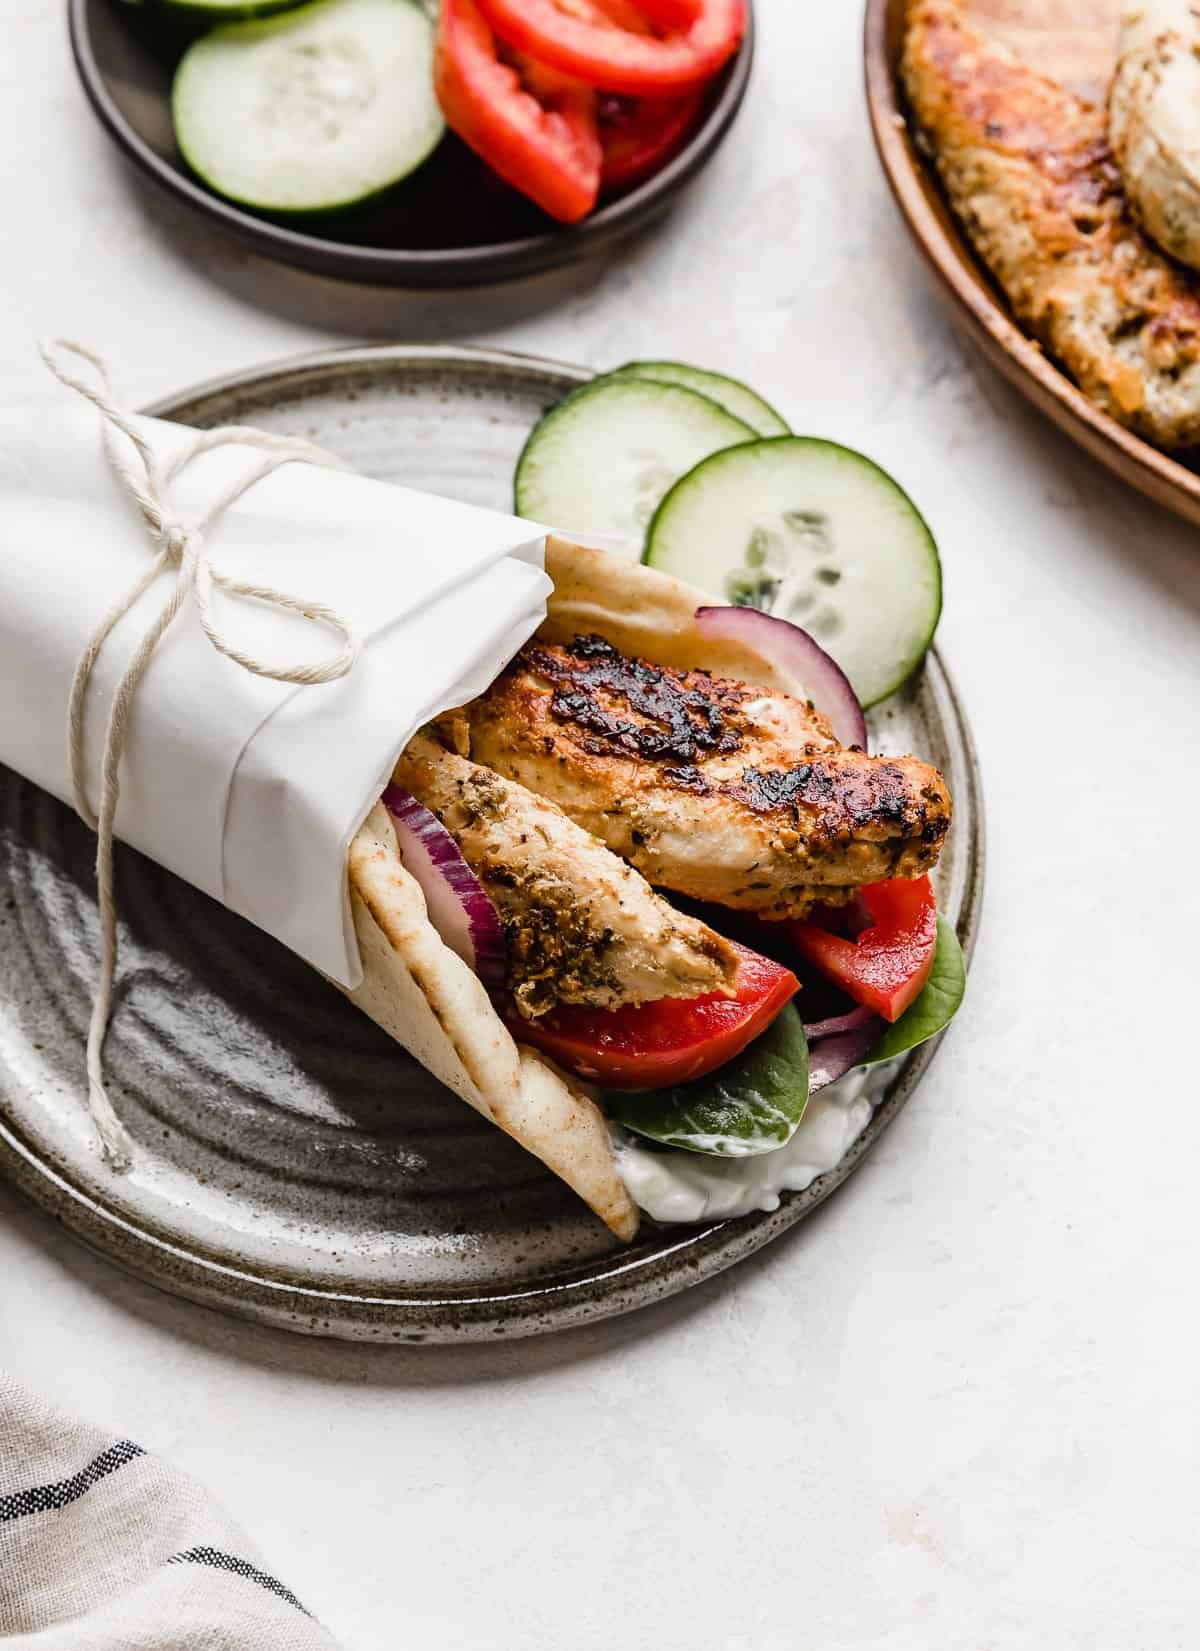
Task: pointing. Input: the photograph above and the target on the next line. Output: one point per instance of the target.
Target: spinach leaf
(751, 1105)
(936, 1006)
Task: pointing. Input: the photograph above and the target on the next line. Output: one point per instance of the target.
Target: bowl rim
(982, 312)
(424, 267)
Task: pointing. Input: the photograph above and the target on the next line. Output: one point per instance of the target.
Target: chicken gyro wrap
(561, 898)
(569, 833)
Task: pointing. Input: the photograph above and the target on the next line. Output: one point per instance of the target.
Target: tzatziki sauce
(674, 1185)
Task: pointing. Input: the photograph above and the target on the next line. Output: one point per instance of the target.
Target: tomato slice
(641, 135)
(624, 13)
(671, 14)
(652, 1045)
(571, 37)
(548, 147)
(887, 964)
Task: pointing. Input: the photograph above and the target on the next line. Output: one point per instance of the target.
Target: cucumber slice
(736, 398)
(815, 533)
(225, 11)
(600, 461)
(313, 111)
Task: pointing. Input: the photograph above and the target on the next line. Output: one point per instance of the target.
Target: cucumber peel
(227, 11)
(601, 459)
(736, 398)
(814, 533)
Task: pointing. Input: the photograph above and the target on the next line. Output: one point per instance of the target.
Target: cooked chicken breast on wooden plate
(1029, 171)
(712, 788)
(1154, 121)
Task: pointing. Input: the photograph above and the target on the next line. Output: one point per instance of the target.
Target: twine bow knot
(181, 546)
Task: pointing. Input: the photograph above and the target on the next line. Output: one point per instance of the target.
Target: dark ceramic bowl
(453, 223)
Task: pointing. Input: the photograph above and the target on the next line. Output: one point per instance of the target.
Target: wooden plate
(451, 224)
(1074, 41)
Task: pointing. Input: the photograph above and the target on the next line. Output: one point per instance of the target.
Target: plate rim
(594, 1290)
(422, 268)
(977, 307)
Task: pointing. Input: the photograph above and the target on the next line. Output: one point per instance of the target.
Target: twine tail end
(114, 1140)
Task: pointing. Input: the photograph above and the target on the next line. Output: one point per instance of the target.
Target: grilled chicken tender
(1029, 171)
(580, 925)
(713, 788)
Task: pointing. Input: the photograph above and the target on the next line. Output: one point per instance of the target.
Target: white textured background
(957, 1409)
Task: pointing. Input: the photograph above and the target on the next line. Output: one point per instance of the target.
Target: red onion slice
(825, 683)
(831, 1058)
(852, 1022)
(459, 909)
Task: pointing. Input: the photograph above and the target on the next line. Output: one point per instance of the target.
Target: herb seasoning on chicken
(715, 789)
(580, 926)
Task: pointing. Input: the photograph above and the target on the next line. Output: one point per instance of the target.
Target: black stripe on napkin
(240, 1567)
(46, 1498)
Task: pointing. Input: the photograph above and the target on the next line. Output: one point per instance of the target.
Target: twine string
(181, 546)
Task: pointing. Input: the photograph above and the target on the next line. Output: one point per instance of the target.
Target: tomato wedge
(548, 147)
(652, 1045)
(640, 135)
(570, 37)
(886, 966)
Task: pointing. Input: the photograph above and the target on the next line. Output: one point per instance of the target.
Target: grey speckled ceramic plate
(292, 1164)
(452, 223)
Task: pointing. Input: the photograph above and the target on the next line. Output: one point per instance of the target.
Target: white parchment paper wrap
(249, 789)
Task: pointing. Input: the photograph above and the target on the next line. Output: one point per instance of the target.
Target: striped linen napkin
(105, 1548)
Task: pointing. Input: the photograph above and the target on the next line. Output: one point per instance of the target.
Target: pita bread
(647, 613)
(427, 998)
